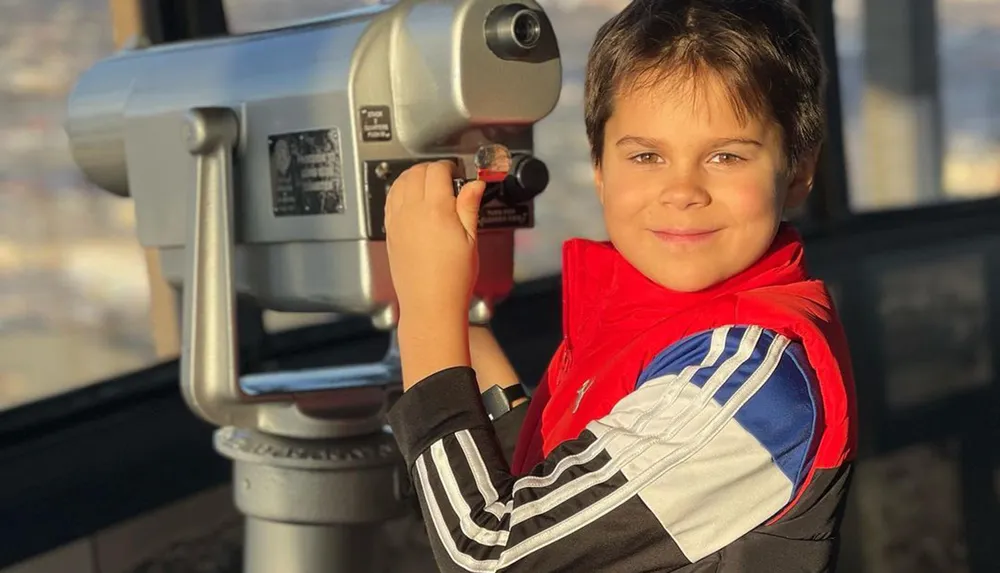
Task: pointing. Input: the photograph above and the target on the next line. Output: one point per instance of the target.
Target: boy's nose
(684, 195)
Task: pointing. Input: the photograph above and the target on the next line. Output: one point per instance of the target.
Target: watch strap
(498, 400)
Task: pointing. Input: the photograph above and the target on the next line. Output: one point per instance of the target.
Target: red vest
(615, 321)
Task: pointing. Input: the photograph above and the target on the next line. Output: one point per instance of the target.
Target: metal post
(829, 202)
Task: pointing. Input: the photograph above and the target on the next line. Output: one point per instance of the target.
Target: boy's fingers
(467, 205)
(402, 190)
(439, 186)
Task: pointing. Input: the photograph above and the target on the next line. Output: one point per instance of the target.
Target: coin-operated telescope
(259, 166)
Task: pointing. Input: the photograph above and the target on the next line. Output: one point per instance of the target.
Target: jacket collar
(604, 294)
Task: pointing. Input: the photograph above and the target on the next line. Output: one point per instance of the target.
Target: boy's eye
(645, 158)
(726, 158)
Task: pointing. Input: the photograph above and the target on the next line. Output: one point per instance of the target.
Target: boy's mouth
(684, 235)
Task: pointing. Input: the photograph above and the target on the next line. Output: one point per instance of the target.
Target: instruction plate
(376, 123)
(306, 173)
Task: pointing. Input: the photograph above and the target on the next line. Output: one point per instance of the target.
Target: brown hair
(764, 50)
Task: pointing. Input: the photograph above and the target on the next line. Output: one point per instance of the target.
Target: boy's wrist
(433, 316)
(490, 362)
(430, 342)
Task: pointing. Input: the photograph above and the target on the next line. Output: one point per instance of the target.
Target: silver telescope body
(259, 165)
(327, 114)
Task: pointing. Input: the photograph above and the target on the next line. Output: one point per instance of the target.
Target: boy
(699, 414)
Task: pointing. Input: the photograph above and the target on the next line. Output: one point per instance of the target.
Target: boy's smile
(676, 236)
(693, 190)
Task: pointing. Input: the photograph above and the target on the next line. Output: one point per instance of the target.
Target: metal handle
(209, 362)
(316, 403)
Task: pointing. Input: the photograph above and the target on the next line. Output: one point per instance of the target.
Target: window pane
(970, 84)
(255, 15)
(920, 82)
(74, 297)
(569, 207)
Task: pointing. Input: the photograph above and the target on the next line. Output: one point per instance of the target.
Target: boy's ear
(599, 183)
(801, 180)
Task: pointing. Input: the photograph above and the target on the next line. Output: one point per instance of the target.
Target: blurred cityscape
(74, 298)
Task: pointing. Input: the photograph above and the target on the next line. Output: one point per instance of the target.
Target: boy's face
(692, 195)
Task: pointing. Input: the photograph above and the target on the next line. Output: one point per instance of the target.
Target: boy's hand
(431, 242)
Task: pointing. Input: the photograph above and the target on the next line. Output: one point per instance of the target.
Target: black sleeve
(665, 479)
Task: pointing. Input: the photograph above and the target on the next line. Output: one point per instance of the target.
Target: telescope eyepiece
(514, 31)
(526, 29)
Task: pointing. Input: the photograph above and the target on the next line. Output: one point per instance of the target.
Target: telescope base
(314, 506)
(273, 547)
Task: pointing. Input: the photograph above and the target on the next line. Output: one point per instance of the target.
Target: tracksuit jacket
(672, 432)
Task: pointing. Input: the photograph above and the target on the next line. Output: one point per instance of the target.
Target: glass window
(920, 82)
(893, 491)
(970, 84)
(74, 294)
(246, 16)
(569, 207)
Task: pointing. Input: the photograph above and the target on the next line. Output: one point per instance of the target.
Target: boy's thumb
(467, 204)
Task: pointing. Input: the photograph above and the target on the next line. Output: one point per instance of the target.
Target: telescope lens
(527, 30)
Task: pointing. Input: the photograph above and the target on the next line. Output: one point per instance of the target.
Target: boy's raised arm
(679, 469)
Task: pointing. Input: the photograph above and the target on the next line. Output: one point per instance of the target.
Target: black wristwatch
(498, 400)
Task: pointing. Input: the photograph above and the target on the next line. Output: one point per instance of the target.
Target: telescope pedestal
(272, 547)
(313, 506)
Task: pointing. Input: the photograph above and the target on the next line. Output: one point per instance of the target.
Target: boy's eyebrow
(639, 140)
(738, 140)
